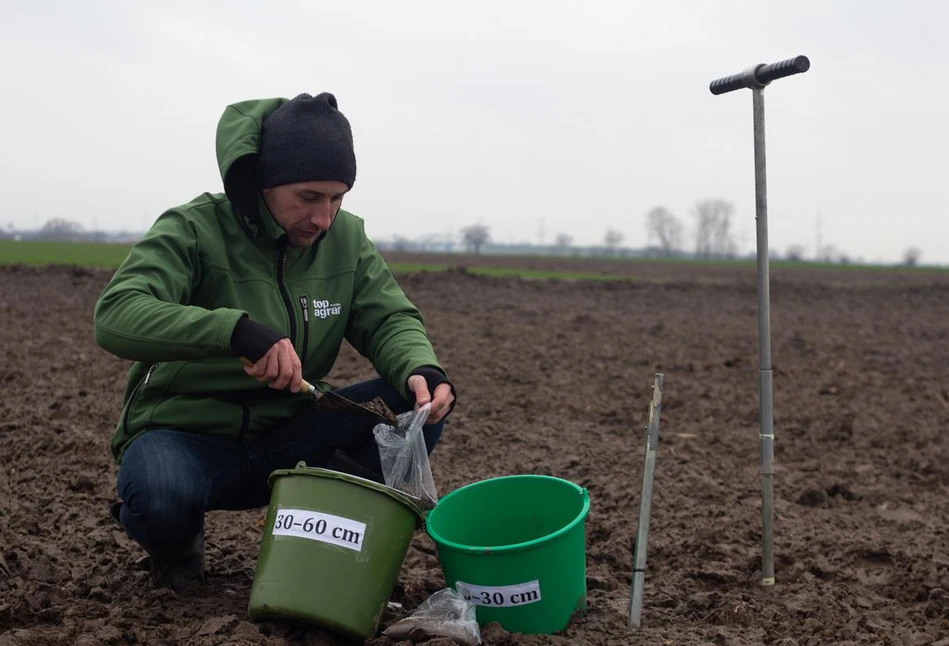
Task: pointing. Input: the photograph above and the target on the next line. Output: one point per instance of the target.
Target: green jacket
(172, 305)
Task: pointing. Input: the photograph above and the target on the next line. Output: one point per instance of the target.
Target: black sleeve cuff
(434, 377)
(251, 339)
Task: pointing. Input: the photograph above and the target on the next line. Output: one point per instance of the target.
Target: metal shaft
(766, 387)
(645, 503)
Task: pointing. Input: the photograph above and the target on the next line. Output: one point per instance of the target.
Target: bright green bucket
(332, 549)
(516, 547)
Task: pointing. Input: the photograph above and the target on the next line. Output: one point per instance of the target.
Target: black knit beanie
(306, 139)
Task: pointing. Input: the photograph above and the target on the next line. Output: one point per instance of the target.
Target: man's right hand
(279, 368)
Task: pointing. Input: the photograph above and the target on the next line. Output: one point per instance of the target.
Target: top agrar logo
(324, 309)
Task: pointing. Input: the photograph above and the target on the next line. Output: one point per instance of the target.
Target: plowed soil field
(553, 377)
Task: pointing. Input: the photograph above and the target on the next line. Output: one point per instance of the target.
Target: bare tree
(400, 243)
(612, 240)
(911, 256)
(665, 228)
(563, 241)
(714, 237)
(828, 253)
(795, 253)
(475, 237)
(704, 229)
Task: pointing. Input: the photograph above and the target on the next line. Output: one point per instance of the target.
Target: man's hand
(280, 367)
(441, 404)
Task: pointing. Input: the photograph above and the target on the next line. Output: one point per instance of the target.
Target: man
(274, 272)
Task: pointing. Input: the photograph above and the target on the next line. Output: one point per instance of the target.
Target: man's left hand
(441, 403)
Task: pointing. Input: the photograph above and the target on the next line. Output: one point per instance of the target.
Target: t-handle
(758, 76)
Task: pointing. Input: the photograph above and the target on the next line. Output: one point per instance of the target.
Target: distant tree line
(714, 233)
(63, 230)
(713, 221)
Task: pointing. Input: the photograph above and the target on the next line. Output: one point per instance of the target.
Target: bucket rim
(303, 470)
(513, 547)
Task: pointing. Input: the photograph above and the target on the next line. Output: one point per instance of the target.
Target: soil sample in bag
(375, 408)
(379, 406)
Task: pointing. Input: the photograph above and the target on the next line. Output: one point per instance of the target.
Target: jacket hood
(238, 143)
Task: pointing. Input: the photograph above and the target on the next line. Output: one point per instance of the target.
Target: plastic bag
(444, 614)
(404, 457)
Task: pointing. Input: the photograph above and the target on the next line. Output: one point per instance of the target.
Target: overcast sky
(531, 117)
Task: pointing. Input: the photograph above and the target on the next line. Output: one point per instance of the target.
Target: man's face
(305, 210)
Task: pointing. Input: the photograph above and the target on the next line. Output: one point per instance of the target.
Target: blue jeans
(169, 479)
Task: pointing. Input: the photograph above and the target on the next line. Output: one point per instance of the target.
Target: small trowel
(376, 410)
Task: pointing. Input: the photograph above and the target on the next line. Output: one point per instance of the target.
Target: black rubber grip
(760, 75)
(775, 71)
(727, 84)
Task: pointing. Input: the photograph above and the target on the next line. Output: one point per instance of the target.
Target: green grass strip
(109, 255)
(83, 254)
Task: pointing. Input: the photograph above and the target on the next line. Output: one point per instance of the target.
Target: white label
(506, 596)
(317, 526)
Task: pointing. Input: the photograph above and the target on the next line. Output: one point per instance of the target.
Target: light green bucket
(516, 547)
(332, 549)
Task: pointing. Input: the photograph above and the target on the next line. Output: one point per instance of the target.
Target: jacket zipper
(281, 265)
(134, 396)
(306, 327)
(282, 285)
